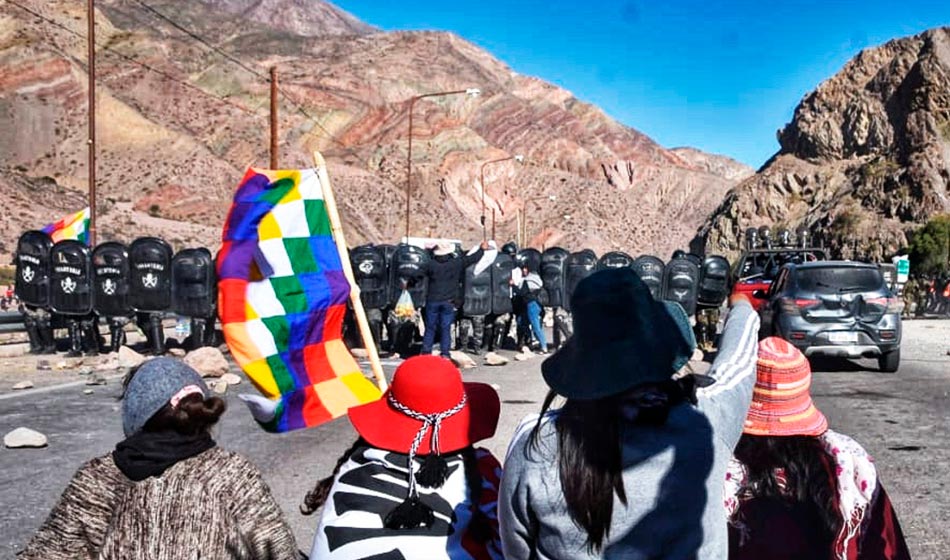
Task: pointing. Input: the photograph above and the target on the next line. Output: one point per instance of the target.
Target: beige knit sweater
(212, 506)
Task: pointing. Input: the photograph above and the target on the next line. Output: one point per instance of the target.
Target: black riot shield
(680, 282)
(110, 279)
(477, 292)
(150, 277)
(614, 259)
(501, 289)
(713, 281)
(32, 268)
(650, 270)
(372, 275)
(553, 270)
(409, 267)
(194, 283)
(70, 278)
(529, 257)
(579, 265)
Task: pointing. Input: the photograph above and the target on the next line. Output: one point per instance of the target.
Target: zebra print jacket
(214, 505)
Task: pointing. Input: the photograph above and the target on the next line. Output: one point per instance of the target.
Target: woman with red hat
(797, 489)
(413, 485)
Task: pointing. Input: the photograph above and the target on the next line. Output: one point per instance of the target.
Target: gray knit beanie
(153, 386)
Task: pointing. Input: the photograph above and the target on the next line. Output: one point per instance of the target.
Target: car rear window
(844, 279)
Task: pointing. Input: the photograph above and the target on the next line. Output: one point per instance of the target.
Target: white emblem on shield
(108, 287)
(366, 267)
(28, 273)
(150, 280)
(68, 285)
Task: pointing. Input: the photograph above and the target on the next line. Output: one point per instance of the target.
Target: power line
(134, 60)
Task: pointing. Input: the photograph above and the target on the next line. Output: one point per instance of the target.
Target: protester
(529, 290)
(797, 489)
(631, 465)
(413, 486)
(166, 491)
(445, 276)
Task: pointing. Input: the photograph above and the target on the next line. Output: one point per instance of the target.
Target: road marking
(51, 388)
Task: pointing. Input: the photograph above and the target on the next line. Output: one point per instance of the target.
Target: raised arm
(726, 402)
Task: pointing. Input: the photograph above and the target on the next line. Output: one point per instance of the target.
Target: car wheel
(890, 361)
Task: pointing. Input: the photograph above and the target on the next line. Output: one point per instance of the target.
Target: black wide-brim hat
(622, 338)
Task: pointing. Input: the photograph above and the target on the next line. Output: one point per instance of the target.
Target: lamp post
(471, 92)
(520, 159)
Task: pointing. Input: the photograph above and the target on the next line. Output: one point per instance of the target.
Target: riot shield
(194, 283)
(713, 281)
(553, 269)
(409, 266)
(501, 290)
(372, 275)
(476, 292)
(150, 262)
(680, 282)
(70, 289)
(32, 268)
(110, 278)
(530, 258)
(650, 270)
(579, 265)
(614, 259)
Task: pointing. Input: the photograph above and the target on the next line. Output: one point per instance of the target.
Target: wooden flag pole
(336, 227)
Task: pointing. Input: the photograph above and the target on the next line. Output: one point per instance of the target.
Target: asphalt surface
(902, 419)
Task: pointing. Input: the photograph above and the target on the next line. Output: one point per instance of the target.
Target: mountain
(865, 160)
(182, 111)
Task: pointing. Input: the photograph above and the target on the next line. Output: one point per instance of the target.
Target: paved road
(901, 418)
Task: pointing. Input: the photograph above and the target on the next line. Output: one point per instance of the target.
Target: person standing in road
(445, 276)
(797, 489)
(529, 289)
(631, 466)
(167, 491)
(414, 486)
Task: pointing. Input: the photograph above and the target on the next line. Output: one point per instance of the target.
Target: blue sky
(719, 76)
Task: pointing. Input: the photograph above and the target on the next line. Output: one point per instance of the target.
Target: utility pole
(91, 34)
(273, 118)
(493, 224)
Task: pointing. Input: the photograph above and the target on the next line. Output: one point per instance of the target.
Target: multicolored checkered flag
(282, 296)
(73, 226)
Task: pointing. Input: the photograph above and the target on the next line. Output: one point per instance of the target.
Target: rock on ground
(219, 387)
(524, 356)
(231, 379)
(495, 359)
(359, 352)
(462, 360)
(208, 361)
(130, 358)
(24, 437)
(23, 385)
(109, 363)
(177, 352)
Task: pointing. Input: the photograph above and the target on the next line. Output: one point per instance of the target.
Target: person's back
(166, 492)
(674, 441)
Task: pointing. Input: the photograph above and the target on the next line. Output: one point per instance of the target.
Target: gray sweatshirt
(673, 474)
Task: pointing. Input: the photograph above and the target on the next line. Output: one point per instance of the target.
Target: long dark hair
(479, 526)
(809, 476)
(590, 450)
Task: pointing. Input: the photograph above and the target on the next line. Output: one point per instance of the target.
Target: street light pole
(471, 92)
(520, 159)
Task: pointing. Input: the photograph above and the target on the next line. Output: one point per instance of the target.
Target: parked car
(834, 308)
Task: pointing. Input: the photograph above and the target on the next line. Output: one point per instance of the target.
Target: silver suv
(835, 308)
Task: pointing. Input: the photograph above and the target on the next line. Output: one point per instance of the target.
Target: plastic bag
(405, 309)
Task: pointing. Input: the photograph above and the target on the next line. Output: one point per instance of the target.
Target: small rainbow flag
(282, 296)
(73, 226)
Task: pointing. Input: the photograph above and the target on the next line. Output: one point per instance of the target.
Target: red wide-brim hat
(428, 385)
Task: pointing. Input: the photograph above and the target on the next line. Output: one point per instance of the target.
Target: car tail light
(797, 335)
(794, 306)
(890, 305)
(888, 335)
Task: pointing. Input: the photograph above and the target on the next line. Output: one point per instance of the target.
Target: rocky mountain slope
(178, 121)
(865, 159)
